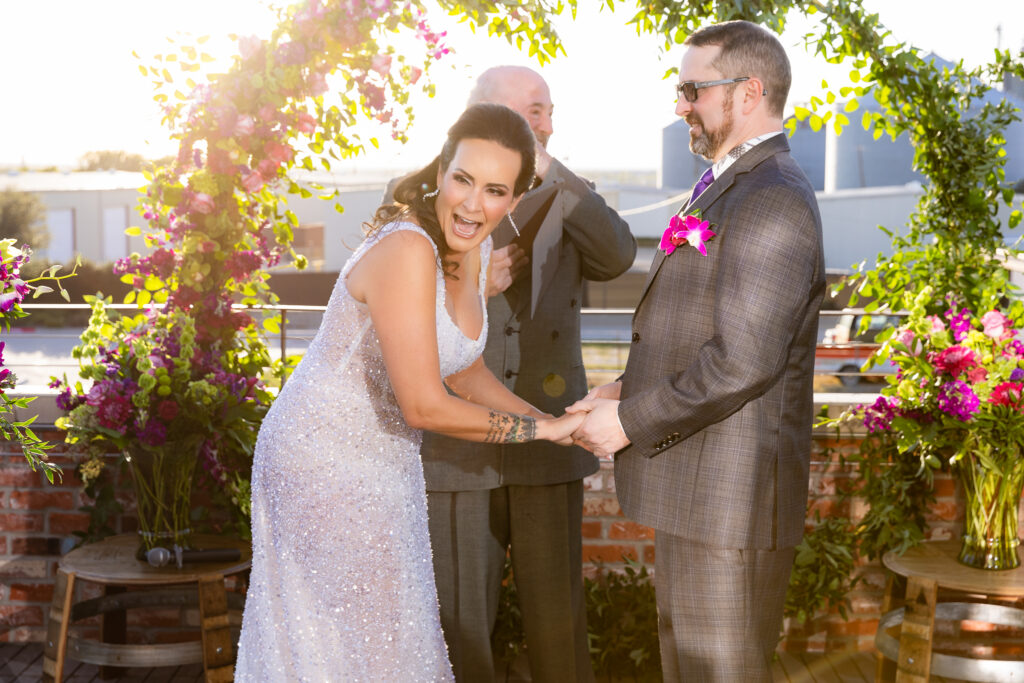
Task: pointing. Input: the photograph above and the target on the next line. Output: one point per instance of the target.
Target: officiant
(484, 499)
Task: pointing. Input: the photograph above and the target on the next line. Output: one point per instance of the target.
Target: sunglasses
(689, 89)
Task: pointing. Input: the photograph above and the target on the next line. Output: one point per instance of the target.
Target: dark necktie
(702, 184)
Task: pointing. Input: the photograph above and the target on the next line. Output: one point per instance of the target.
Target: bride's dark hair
(493, 122)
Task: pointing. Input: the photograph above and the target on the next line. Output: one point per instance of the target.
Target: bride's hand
(560, 429)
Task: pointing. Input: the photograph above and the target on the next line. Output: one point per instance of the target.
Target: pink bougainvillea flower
(690, 229)
(305, 124)
(317, 84)
(249, 46)
(279, 152)
(414, 74)
(267, 168)
(244, 126)
(252, 182)
(997, 326)
(203, 203)
(381, 64)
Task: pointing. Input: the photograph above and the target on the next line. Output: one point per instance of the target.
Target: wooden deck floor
(23, 663)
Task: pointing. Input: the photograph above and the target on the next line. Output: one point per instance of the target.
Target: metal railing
(601, 327)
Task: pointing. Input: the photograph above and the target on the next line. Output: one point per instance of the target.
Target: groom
(711, 421)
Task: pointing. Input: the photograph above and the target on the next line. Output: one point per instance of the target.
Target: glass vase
(992, 499)
(163, 477)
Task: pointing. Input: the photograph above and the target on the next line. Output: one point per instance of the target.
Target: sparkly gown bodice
(342, 585)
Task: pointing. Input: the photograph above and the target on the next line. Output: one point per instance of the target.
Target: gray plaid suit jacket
(717, 392)
(539, 358)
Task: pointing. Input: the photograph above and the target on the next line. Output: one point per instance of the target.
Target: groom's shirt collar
(719, 167)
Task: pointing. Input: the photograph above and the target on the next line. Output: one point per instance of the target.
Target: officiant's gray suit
(484, 497)
(717, 402)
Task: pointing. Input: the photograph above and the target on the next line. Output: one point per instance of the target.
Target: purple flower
(878, 418)
(1017, 375)
(957, 400)
(959, 323)
(68, 401)
(153, 433)
(8, 301)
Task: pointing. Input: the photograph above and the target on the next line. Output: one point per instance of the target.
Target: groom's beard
(708, 142)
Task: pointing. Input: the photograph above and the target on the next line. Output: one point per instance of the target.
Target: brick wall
(37, 520)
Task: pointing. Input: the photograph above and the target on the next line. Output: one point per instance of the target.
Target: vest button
(636, 337)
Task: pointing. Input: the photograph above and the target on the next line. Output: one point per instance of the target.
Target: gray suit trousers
(469, 531)
(719, 610)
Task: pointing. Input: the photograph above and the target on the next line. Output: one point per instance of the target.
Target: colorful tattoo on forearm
(506, 428)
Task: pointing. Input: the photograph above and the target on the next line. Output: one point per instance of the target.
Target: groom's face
(711, 117)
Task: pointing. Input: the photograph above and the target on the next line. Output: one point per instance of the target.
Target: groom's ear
(753, 94)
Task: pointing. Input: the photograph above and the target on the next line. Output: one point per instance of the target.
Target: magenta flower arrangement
(13, 290)
(195, 366)
(957, 400)
(689, 229)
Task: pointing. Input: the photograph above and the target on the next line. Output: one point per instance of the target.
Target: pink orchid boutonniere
(686, 229)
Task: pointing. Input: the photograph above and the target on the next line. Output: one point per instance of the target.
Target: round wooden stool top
(112, 561)
(936, 560)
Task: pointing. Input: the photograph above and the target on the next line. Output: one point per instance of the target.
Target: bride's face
(475, 192)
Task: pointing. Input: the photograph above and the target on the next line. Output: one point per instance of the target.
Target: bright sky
(70, 84)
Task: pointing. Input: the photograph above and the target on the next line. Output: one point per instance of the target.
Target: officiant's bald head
(521, 89)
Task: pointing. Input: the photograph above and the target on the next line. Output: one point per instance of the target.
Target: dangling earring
(514, 226)
(428, 195)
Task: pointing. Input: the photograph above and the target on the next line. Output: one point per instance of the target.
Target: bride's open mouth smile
(464, 227)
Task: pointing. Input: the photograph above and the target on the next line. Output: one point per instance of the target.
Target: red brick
(35, 545)
(601, 506)
(39, 500)
(22, 477)
(31, 592)
(944, 487)
(66, 523)
(592, 529)
(608, 553)
(21, 615)
(14, 521)
(649, 555)
(630, 531)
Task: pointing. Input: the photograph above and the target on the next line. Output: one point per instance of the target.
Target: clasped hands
(593, 422)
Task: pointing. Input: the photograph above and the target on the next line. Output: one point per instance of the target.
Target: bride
(342, 585)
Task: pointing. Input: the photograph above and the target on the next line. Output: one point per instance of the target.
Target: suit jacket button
(509, 331)
(554, 335)
(636, 337)
(509, 373)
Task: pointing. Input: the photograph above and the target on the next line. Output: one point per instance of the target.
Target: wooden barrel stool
(112, 564)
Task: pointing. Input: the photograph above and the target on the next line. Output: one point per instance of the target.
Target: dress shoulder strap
(380, 234)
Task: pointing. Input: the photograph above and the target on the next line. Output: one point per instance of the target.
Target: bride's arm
(396, 279)
(479, 385)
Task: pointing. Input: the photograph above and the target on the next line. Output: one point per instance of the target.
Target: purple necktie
(702, 184)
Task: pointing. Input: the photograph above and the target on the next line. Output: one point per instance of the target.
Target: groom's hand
(600, 433)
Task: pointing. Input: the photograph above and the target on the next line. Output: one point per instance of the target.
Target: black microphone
(160, 557)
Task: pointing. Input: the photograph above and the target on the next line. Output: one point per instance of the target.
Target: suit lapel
(718, 188)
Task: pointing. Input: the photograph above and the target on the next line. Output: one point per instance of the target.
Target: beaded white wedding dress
(342, 585)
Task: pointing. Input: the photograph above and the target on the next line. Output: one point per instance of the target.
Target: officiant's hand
(505, 266)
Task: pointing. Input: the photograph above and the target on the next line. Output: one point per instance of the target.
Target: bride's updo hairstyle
(493, 122)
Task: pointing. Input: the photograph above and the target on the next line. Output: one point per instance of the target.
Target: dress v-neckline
(480, 299)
